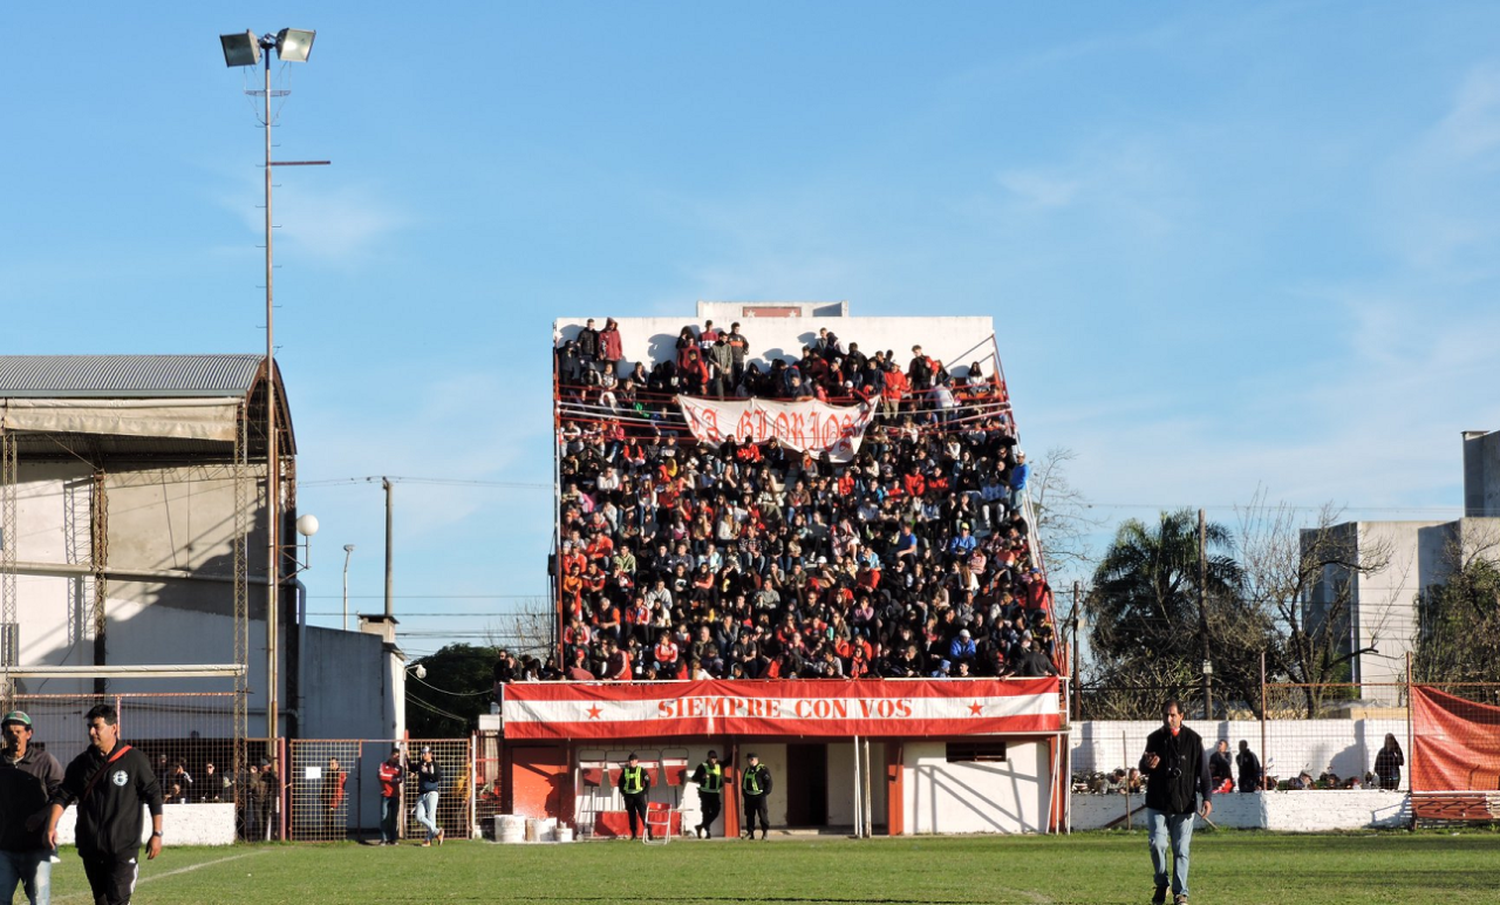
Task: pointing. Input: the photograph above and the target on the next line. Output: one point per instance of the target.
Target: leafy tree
(459, 686)
(1459, 637)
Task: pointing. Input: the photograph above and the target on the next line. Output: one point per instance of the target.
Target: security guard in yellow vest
(710, 779)
(755, 785)
(635, 786)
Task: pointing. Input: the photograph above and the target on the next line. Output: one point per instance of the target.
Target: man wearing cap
(429, 783)
(110, 781)
(28, 777)
(755, 785)
(635, 786)
(709, 778)
(963, 649)
(390, 796)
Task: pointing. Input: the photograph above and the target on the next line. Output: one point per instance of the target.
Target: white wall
(1346, 747)
(841, 782)
(181, 824)
(1009, 797)
(1294, 812)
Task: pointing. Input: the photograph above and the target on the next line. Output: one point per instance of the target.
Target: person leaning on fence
(429, 775)
(709, 777)
(1249, 768)
(390, 796)
(635, 786)
(1220, 769)
(28, 779)
(1176, 767)
(1388, 763)
(110, 782)
(331, 795)
(269, 801)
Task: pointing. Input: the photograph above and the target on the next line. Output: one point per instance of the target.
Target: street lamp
(348, 552)
(292, 45)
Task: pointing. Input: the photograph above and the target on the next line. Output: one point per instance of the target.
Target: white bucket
(546, 829)
(510, 828)
(564, 834)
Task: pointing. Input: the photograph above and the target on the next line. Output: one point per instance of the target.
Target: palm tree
(1144, 607)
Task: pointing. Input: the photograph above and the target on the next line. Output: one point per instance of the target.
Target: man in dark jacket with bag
(1176, 766)
(109, 781)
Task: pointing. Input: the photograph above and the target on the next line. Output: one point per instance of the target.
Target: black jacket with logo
(25, 788)
(109, 817)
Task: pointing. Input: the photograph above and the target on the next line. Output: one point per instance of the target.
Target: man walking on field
(109, 781)
(1177, 768)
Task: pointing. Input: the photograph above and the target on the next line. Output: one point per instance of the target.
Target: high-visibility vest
(751, 784)
(635, 780)
(713, 777)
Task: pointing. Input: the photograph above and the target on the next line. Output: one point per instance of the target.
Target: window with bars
(976, 752)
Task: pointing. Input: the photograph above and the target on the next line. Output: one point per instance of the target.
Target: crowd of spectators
(681, 560)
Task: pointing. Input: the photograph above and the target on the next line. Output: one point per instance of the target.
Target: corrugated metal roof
(127, 376)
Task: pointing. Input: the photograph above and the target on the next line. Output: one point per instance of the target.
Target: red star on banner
(976, 709)
(594, 712)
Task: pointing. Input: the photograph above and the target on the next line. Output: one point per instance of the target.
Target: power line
(401, 597)
(397, 479)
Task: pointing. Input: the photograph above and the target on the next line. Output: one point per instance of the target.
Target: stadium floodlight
(294, 45)
(241, 49)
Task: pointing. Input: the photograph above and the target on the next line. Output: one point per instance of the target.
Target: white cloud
(1040, 189)
(341, 225)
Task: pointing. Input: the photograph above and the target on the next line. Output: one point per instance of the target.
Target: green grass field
(1244, 868)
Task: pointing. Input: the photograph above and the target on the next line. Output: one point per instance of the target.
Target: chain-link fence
(334, 789)
(1426, 739)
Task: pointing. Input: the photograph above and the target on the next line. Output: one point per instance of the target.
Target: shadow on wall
(968, 796)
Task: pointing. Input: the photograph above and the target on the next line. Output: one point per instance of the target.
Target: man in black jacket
(1177, 768)
(109, 781)
(28, 777)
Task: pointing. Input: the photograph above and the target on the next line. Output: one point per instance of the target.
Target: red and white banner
(803, 426)
(906, 708)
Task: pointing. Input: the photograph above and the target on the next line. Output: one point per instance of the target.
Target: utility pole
(1073, 654)
(390, 584)
(1208, 668)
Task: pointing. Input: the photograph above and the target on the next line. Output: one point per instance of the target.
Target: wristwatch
(158, 833)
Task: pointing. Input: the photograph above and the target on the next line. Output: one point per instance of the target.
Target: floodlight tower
(292, 45)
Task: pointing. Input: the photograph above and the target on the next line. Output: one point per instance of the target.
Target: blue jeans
(427, 813)
(1159, 826)
(33, 870)
(390, 810)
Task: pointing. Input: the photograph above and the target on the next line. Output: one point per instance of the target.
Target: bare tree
(530, 628)
(1305, 579)
(1064, 516)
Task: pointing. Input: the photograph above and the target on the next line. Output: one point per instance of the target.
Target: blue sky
(1227, 246)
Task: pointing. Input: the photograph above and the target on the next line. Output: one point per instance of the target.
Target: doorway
(807, 785)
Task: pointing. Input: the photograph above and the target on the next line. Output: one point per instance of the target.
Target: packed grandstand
(892, 542)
